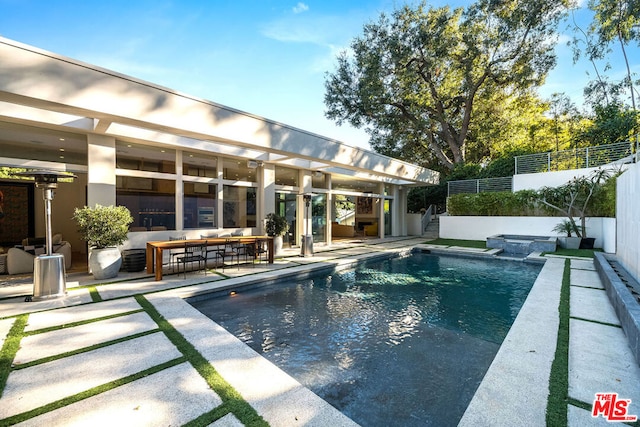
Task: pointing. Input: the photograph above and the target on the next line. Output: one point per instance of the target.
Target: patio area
(134, 352)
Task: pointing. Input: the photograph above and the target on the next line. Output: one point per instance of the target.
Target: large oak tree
(413, 79)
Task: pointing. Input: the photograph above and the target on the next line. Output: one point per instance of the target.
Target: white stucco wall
(627, 209)
(481, 227)
(414, 224)
(535, 181)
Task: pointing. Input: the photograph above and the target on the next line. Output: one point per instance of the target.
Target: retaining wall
(481, 227)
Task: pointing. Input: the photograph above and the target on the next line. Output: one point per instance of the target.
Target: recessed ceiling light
(61, 139)
(62, 149)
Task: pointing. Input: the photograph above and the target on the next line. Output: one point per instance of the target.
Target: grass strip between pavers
(10, 348)
(559, 377)
(15, 419)
(95, 295)
(231, 399)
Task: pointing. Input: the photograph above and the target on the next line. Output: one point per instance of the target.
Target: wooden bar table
(156, 248)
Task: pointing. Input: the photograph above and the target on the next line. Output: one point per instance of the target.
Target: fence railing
(578, 158)
(480, 185)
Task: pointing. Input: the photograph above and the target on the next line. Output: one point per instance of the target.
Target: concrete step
(433, 229)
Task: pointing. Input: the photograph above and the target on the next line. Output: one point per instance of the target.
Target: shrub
(103, 226)
(502, 203)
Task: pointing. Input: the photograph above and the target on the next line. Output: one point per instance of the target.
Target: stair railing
(426, 218)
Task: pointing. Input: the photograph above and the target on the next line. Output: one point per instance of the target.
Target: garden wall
(627, 209)
(535, 181)
(481, 227)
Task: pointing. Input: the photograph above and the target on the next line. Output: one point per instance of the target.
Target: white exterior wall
(535, 181)
(627, 209)
(414, 224)
(481, 227)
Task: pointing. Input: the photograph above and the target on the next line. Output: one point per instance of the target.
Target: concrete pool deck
(116, 338)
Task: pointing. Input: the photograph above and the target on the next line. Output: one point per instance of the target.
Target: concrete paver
(39, 346)
(586, 278)
(600, 361)
(39, 385)
(592, 304)
(16, 306)
(5, 327)
(171, 397)
(65, 316)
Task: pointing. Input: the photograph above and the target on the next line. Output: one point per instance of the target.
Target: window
(239, 206)
(195, 164)
(286, 176)
(145, 158)
(151, 201)
(238, 170)
(200, 205)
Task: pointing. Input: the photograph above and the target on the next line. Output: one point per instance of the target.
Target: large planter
(570, 242)
(277, 245)
(105, 263)
(587, 242)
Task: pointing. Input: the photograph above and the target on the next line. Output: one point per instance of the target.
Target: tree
(610, 124)
(573, 198)
(413, 79)
(617, 20)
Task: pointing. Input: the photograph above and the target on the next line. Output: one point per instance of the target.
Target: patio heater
(48, 269)
(306, 248)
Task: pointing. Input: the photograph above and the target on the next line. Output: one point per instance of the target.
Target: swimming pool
(402, 341)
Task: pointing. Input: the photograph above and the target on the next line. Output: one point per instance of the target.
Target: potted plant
(276, 226)
(103, 228)
(568, 227)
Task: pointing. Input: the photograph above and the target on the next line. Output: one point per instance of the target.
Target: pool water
(396, 342)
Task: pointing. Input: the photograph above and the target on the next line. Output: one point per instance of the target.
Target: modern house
(178, 162)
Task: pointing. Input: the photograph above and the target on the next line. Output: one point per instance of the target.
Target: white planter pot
(105, 263)
(569, 242)
(277, 245)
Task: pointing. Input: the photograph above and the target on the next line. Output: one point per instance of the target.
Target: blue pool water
(396, 342)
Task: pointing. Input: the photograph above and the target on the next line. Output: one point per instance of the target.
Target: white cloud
(300, 7)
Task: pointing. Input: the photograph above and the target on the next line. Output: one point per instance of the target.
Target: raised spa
(522, 244)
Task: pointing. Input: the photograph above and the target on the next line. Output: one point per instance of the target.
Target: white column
(179, 201)
(381, 211)
(266, 194)
(329, 210)
(219, 197)
(304, 223)
(101, 170)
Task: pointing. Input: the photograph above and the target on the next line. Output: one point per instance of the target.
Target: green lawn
(585, 253)
(479, 244)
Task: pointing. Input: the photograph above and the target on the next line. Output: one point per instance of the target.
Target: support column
(329, 209)
(220, 191)
(266, 194)
(304, 223)
(381, 211)
(179, 201)
(101, 170)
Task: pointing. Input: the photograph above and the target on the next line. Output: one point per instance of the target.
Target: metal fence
(578, 158)
(479, 185)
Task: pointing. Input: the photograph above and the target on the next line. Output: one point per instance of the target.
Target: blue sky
(266, 57)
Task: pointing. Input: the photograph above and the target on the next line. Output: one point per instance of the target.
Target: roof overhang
(46, 90)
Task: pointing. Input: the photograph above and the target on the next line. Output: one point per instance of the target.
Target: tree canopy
(413, 79)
